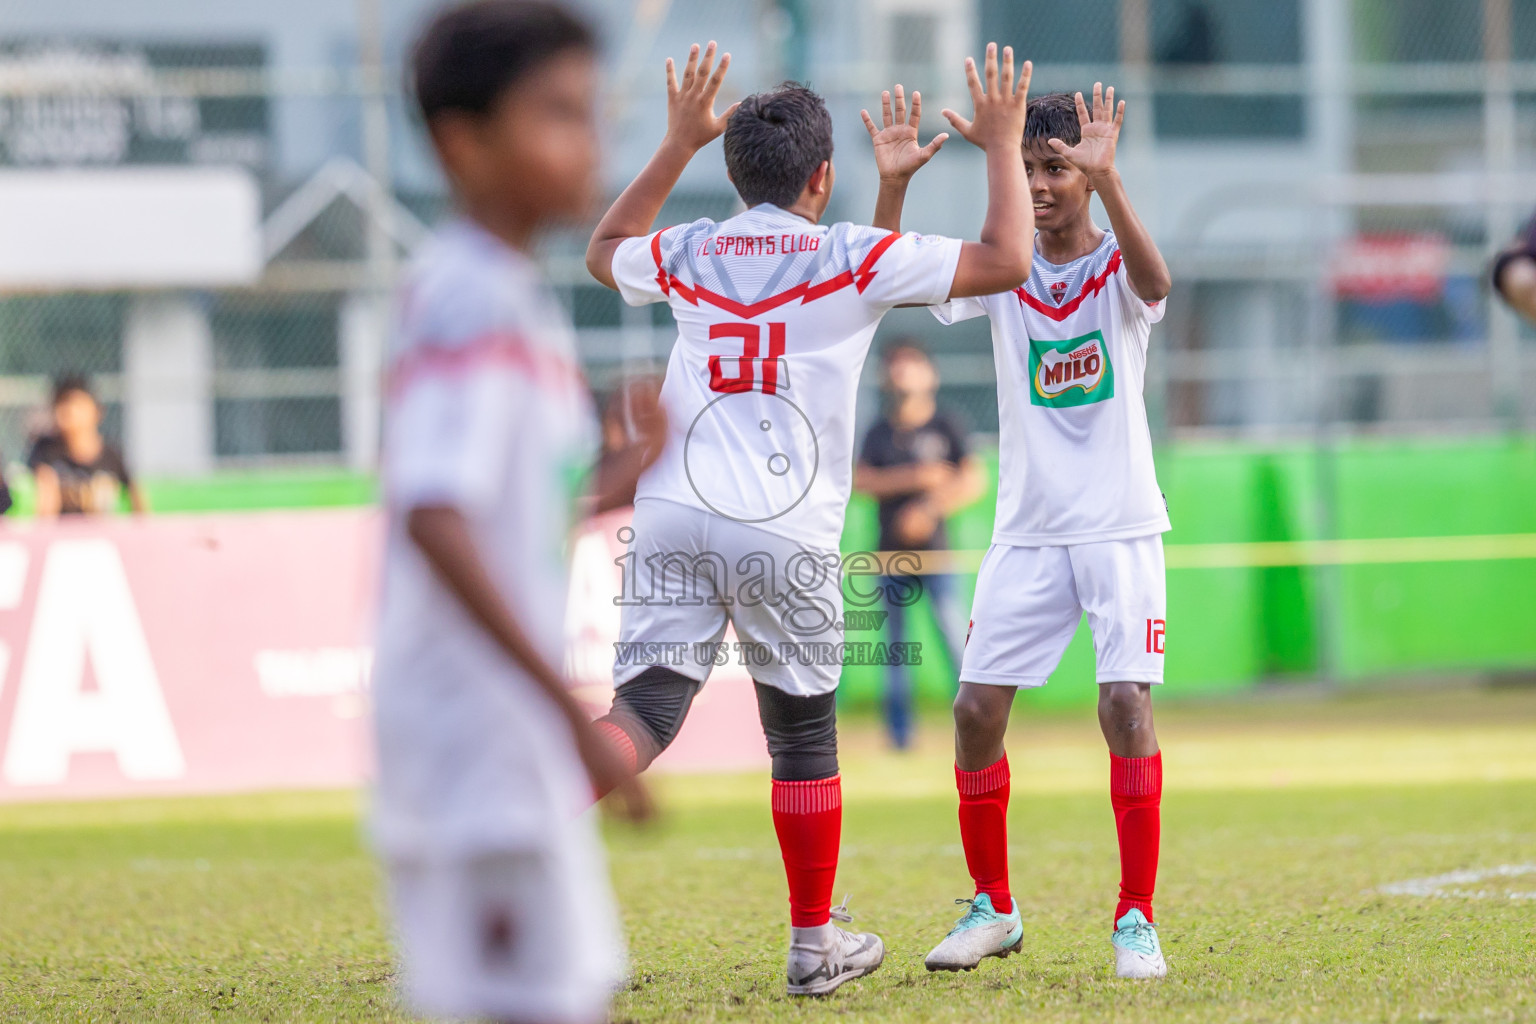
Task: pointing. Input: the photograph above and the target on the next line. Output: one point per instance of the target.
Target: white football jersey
(1075, 454)
(487, 412)
(775, 316)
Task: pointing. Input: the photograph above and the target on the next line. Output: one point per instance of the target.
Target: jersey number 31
(750, 361)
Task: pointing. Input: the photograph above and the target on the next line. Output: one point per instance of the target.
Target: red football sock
(622, 745)
(808, 817)
(984, 829)
(1136, 793)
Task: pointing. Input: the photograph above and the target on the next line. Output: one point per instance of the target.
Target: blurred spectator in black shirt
(916, 463)
(77, 471)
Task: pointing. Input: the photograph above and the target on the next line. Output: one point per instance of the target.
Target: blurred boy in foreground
(485, 760)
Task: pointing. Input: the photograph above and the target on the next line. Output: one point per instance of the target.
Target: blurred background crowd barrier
(204, 206)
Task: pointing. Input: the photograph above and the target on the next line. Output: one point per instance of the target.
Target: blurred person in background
(915, 462)
(1514, 272)
(485, 760)
(75, 469)
(625, 410)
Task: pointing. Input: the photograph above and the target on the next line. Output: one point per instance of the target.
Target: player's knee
(1128, 705)
(651, 708)
(976, 714)
(801, 733)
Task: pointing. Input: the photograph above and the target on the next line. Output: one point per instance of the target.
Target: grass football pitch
(1343, 858)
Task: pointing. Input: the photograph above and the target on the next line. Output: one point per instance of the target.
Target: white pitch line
(1263, 554)
(1439, 886)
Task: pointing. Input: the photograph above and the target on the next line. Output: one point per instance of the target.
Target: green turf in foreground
(266, 908)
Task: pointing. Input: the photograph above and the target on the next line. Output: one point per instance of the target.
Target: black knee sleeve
(801, 733)
(651, 708)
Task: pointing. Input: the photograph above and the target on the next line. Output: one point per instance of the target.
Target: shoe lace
(970, 910)
(841, 911)
(1140, 937)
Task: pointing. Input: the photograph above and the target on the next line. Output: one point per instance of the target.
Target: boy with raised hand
(739, 519)
(1079, 522)
(485, 761)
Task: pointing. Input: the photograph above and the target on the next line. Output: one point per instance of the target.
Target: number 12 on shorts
(1155, 629)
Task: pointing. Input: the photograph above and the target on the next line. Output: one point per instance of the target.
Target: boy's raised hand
(897, 154)
(1095, 154)
(1000, 102)
(691, 119)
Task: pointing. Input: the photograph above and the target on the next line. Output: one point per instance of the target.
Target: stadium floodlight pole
(370, 55)
(363, 355)
(1499, 134)
(1138, 139)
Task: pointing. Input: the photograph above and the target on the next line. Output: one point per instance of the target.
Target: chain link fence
(1327, 179)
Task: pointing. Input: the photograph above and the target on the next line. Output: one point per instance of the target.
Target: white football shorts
(1029, 602)
(687, 571)
(526, 934)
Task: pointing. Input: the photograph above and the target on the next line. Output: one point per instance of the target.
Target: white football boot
(981, 932)
(1138, 953)
(821, 959)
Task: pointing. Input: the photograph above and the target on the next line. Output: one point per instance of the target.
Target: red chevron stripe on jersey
(1091, 287)
(804, 291)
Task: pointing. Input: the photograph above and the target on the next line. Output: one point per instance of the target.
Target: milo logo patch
(1069, 373)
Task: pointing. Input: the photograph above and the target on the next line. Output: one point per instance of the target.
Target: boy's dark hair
(468, 55)
(1052, 116)
(72, 384)
(775, 141)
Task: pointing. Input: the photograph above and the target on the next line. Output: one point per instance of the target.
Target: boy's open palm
(691, 118)
(1095, 154)
(897, 154)
(1000, 101)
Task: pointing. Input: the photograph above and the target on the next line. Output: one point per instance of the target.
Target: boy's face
(1059, 190)
(536, 153)
(76, 412)
(911, 374)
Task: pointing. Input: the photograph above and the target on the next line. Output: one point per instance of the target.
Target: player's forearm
(636, 209)
(965, 486)
(443, 536)
(886, 482)
(1000, 260)
(1144, 265)
(889, 202)
(618, 473)
(48, 498)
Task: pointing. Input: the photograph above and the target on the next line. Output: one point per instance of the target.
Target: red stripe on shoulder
(866, 271)
(663, 279)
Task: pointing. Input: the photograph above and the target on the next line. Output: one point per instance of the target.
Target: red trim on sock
(621, 742)
(993, 776)
(1136, 793)
(808, 818)
(1136, 776)
(984, 829)
(809, 797)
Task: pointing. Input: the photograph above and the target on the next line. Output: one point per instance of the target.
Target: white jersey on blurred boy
(479, 787)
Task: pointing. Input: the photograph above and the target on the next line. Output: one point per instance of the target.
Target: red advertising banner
(222, 653)
(1384, 267)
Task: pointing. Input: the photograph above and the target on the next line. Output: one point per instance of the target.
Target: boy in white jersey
(485, 761)
(1079, 521)
(739, 519)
